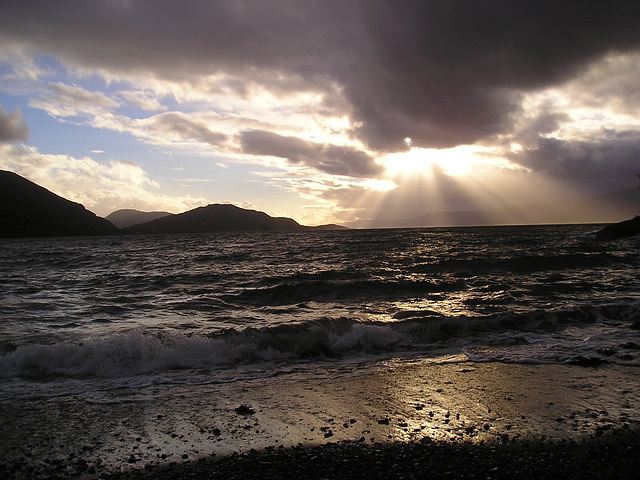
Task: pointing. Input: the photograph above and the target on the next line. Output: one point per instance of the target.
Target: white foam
(593, 344)
(535, 337)
(142, 353)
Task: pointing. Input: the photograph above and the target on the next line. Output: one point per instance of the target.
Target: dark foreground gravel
(615, 456)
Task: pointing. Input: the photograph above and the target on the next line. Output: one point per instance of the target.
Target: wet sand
(416, 420)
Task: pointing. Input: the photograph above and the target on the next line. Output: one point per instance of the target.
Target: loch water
(79, 316)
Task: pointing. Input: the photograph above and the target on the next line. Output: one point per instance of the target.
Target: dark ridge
(128, 217)
(625, 229)
(29, 210)
(215, 218)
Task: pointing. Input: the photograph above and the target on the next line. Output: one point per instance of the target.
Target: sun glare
(452, 161)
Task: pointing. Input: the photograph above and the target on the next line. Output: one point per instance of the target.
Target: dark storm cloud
(333, 159)
(614, 154)
(441, 73)
(450, 72)
(13, 126)
(183, 40)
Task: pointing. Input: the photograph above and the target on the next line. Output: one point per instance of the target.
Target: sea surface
(83, 316)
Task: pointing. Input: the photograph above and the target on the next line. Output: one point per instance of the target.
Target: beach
(444, 415)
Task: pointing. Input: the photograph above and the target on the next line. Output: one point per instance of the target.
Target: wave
(523, 264)
(141, 352)
(341, 290)
(608, 333)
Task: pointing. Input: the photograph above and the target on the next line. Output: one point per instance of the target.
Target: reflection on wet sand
(452, 401)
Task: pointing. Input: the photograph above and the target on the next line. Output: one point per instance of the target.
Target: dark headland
(29, 210)
(625, 229)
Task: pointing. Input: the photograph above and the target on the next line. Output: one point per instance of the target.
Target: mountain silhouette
(127, 217)
(29, 210)
(215, 218)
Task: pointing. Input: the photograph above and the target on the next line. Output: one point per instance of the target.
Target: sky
(322, 111)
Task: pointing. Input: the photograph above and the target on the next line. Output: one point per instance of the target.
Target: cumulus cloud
(333, 159)
(71, 100)
(179, 126)
(100, 110)
(13, 126)
(144, 100)
(24, 71)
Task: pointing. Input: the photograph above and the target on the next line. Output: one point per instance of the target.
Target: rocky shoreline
(616, 455)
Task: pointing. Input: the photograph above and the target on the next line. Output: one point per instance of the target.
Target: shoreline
(419, 410)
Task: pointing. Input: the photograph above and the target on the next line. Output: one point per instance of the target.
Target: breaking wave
(586, 336)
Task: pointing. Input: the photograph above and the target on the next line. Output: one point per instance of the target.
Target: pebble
(608, 456)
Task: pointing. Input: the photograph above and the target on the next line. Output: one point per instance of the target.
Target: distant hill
(612, 207)
(127, 217)
(29, 210)
(329, 226)
(215, 218)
